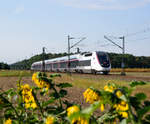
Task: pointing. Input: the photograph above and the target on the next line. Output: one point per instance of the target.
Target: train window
(89, 54)
(55, 65)
(63, 65)
(73, 64)
(51, 66)
(85, 63)
(39, 67)
(103, 59)
(48, 66)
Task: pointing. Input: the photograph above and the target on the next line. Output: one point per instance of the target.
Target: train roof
(63, 58)
(76, 56)
(59, 59)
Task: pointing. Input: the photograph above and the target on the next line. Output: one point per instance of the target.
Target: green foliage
(4, 66)
(117, 104)
(130, 61)
(136, 83)
(55, 75)
(140, 96)
(64, 85)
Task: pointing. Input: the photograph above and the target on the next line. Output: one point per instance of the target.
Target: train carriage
(90, 62)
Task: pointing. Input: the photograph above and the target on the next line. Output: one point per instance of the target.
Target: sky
(28, 25)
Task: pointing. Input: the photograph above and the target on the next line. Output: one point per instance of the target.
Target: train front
(101, 62)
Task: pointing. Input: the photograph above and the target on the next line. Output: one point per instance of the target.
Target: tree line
(4, 66)
(116, 59)
(130, 61)
(26, 63)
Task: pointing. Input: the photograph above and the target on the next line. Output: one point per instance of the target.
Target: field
(131, 70)
(8, 79)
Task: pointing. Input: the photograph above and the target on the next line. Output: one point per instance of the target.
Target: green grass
(14, 73)
(135, 74)
(85, 81)
(99, 84)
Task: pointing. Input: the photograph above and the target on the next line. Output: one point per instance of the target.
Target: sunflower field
(45, 104)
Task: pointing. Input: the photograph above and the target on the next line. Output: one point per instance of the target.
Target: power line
(141, 39)
(113, 37)
(138, 32)
(105, 45)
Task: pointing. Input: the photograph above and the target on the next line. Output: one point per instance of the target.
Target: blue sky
(28, 25)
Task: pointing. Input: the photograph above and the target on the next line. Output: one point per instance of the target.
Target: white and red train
(90, 62)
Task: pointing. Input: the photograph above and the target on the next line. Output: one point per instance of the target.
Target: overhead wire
(104, 45)
(141, 39)
(138, 32)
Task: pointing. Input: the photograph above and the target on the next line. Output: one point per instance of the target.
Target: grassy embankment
(14, 73)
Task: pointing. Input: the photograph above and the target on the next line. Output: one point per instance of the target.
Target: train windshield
(103, 59)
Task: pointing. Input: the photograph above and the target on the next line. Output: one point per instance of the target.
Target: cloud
(104, 4)
(19, 9)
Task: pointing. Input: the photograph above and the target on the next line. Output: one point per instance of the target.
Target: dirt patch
(11, 82)
(75, 95)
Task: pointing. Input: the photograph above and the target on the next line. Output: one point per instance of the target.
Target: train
(87, 62)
